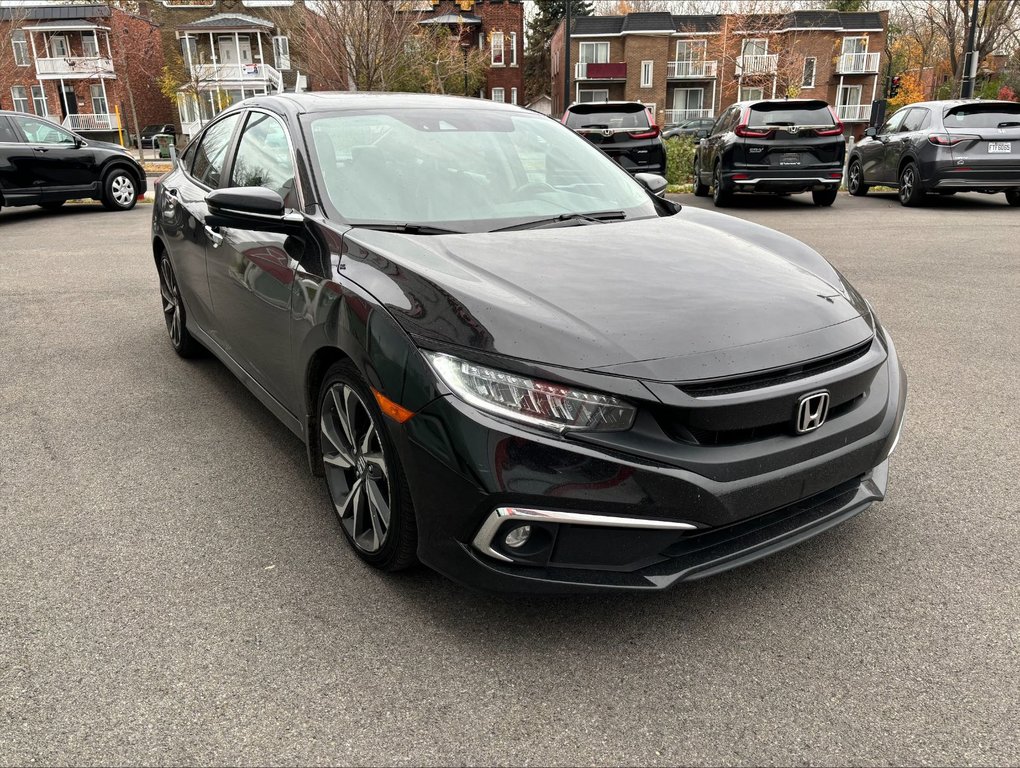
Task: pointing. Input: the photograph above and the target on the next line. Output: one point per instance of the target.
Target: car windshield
(152, 129)
(463, 169)
(983, 116)
(607, 116)
(814, 113)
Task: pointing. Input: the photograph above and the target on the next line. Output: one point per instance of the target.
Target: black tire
(700, 188)
(855, 180)
(52, 205)
(910, 193)
(1013, 198)
(184, 343)
(363, 475)
(120, 190)
(721, 194)
(824, 197)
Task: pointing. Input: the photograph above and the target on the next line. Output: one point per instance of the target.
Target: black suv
(944, 147)
(778, 146)
(624, 130)
(46, 165)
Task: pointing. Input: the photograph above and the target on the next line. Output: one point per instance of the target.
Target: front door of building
(229, 46)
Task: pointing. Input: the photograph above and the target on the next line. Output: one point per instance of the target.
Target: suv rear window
(983, 116)
(607, 116)
(780, 113)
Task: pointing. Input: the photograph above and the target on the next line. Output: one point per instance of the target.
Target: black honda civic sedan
(510, 359)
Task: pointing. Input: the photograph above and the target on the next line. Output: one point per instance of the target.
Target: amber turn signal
(396, 412)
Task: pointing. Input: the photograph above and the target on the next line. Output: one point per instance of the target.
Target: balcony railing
(608, 70)
(858, 63)
(758, 64)
(854, 113)
(691, 70)
(674, 116)
(74, 67)
(91, 122)
(212, 75)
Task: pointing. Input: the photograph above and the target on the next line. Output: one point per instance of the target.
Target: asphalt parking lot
(174, 588)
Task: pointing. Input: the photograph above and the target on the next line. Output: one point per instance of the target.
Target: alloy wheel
(854, 182)
(171, 301)
(122, 190)
(357, 473)
(907, 184)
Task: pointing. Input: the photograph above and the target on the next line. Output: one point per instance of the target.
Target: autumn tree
(138, 60)
(439, 60)
(537, 59)
(911, 90)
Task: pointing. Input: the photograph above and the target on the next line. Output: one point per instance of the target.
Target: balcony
(87, 122)
(608, 70)
(758, 64)
(73, 67)
(691, 70)
(858, 63)
(675, 116)
(854, 113)
(212, 76)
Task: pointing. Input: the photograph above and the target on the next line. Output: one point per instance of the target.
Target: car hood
(108, 145)
(692, 296)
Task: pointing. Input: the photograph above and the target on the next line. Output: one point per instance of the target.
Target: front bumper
(647, 523)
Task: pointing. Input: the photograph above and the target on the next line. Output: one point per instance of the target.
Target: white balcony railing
(854, 113)
(212, 75)
(674, 116)
(74, 67)
(90, 122)
(691, 70)
(858, 63)
(758, 64)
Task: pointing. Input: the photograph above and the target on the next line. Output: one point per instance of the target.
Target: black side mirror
(78, 142)
(653, 182)
(871, 132)
(255, 208)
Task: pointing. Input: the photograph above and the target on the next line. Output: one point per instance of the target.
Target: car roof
(955, 102)
(332, 101)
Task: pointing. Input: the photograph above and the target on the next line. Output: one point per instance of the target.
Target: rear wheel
(855, 180)
(911, 192)
(52, 205)
(721, 195)
(700, 188)
(1013, 198)
(119, 191)
(824, 197)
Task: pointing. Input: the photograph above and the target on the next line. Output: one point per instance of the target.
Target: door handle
(42, 149)
(214, 236)
(172, 191)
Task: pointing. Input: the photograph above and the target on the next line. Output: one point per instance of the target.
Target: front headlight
(539, 403)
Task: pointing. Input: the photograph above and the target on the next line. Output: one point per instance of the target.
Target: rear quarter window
(983, 116)
(767, 114)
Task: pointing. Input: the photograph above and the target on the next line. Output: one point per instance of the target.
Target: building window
(646, 73)
(90, 45)
(513, 49)
(855, 45)
(99, 106)
(594, 53)
(497, 49)
(691, 50)
(20, 47)
(601, 94)
(513, 95)
(20, 98)
(809, 74)
(189, 49)
(281, 52)
(497, 95)
(751, 94)
(39, 105)
(755, 47)
(58, 46)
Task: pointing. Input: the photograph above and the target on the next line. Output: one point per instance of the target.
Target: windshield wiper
(596, 217)
(408, 229)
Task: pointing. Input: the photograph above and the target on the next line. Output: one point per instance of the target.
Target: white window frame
(20, 48)
(86, 51)
(846, 40)
(66, 43)
(696, 50)
(814, 72)
(858, 89)
(687, 107)
(595, 47)
(745, 92)
(497, 55)
(281, 52)
(513, 49)
(513, 96)
(20, 102)
(581, 92)
(744, 45)
(39, 95)
(98, 94)
(647, 73)
(501, 93)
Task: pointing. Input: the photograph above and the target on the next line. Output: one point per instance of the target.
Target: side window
(893, 123)
(915, 121)
(212, 151)
(7, 134)
(263, 158)
(721, 123)
(187, 156)
(42, 131)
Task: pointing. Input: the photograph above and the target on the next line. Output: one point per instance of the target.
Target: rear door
(791, 136)
(62, 164)
(622, 131)
(711, 147)
(909, 132)
(986, 136)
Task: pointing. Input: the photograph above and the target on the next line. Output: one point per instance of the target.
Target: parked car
(510, 359)
(44, 164)
(772, 146)
(699, 128)
(150, 132)
(624, 130)
(942, 147)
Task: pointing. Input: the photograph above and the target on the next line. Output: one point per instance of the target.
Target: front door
(61, 165)
(229, 46)
(17, 165)
(68, 100)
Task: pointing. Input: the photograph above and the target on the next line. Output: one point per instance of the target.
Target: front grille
(776, 376)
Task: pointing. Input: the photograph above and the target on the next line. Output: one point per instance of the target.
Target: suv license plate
(789, 159)
(1000, 146)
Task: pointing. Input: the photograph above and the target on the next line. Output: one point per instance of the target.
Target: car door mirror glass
(871, 132)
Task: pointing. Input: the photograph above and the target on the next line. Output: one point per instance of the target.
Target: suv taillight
(651, 133)
(751, 133)
(835, 130)
(945, 140)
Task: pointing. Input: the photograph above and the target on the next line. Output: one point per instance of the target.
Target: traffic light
(894, 86)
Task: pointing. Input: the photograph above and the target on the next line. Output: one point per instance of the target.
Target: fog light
(518, 537)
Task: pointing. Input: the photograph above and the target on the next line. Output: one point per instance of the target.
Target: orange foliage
(911, 90)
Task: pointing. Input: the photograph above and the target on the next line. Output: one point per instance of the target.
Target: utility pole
(566, 70)
(970, 62)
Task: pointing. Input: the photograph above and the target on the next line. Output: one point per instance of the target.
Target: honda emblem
(811, 411)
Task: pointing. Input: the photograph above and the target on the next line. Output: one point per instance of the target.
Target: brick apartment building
(76, 63)
(495, 26)
(686, 67)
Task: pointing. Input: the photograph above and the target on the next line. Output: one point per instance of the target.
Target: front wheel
(700, 188)
(183, 342)
(1013, 198)
(119, 191)
(855, 180)
(911, 192)
(364, 478)
(824, 197)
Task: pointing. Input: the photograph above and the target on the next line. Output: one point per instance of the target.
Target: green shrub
(680, 159)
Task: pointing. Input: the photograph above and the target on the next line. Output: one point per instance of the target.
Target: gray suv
(942, 147)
